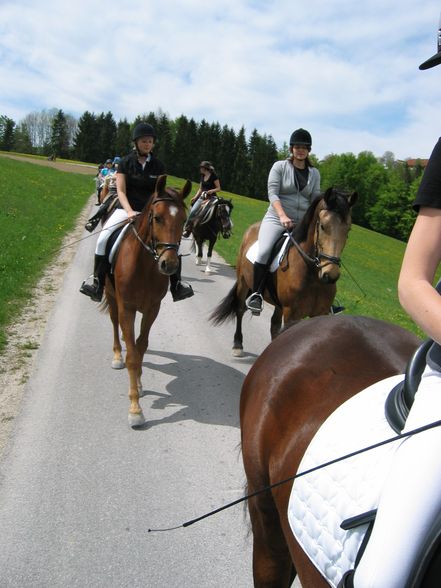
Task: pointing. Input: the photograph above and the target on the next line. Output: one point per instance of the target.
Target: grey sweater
(283, 186)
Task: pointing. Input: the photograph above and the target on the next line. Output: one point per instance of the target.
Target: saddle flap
(278, 252)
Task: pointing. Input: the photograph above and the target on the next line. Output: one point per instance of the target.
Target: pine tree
(123, 141)
(7, 132)
(85, 142)
(241, 166)
(59, 142)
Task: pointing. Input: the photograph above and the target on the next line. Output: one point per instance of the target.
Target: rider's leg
(410, 500)
(270, 230)
(189, 224)
(179, 290)
(95, 290)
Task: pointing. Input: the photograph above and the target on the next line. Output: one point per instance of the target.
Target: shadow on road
(206, 390)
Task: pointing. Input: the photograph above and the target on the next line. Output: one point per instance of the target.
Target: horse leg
(276, 322)
(241, 292)
(117, 361)
(208, 269)
(272, 563)
(133, 364)
(199, 254)
(142, 341)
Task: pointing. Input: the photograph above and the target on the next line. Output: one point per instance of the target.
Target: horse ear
(328, 194)
(352, 198)
(160, 184)
(186, 189)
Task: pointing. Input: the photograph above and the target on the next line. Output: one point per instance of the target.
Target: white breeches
(411, 498)
(116, 220)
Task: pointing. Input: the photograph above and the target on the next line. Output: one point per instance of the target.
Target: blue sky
(346, 71)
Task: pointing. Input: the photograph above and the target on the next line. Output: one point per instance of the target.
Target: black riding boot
(179, 290)
(255, 301)
(95, 290)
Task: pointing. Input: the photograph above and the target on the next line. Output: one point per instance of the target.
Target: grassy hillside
(39, 205)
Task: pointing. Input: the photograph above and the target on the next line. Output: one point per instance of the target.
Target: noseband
(152, 245)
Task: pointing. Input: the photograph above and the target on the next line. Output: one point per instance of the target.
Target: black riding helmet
(143, 129)
(435, 59)
(301, 137)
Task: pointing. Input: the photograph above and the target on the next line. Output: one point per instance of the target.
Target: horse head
(333, 223)
(166, 216)
(223, 213)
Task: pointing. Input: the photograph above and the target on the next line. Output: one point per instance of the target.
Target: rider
(410, 501)
(136, 181)
(292, 185)
(209, 186)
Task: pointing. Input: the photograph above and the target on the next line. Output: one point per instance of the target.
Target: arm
(121, 189)
(274, 183)
(423, 254)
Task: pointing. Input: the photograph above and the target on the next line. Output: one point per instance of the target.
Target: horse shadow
(206, 391)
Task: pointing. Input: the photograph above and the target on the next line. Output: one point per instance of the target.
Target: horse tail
(227, 308)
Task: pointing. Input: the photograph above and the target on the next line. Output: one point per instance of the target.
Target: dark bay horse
(308, 371)
(304, 283)
(148, 255)
(216, 220)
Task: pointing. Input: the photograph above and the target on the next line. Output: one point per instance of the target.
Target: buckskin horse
(306, 373)
(215, 219)
(304, 283)
(147, 256)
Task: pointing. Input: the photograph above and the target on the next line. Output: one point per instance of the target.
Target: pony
(215, 219)
(304, 283)
(308, 371)
(147, 256)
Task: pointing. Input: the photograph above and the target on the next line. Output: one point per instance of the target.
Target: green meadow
(40, 205)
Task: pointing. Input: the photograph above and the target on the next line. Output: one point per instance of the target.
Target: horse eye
(157, 218)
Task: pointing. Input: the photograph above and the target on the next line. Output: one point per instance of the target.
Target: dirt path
(26, 333)
(77, 168)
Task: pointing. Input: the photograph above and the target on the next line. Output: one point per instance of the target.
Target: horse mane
(334, 201)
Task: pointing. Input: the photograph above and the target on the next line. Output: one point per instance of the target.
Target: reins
(399, 437)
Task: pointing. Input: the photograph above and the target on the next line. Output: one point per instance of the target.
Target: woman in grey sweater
(292, 186)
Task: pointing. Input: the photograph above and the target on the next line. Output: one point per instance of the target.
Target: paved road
(79, 489)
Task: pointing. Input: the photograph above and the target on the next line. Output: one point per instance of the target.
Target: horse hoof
(118, 364)
(198, 261)
(237, 352)
(136, 420)
(208, 270)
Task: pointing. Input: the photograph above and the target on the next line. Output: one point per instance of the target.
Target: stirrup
(94, 291)
(254, 302)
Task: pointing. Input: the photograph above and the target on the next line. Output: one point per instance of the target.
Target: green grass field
(39, 205)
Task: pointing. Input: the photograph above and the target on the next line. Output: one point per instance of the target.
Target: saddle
(278, 253)
(385, 406)
(206, 211)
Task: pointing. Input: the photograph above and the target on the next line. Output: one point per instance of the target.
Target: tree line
(386, 187)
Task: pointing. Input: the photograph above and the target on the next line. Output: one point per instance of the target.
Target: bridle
(316, 260)
(152, 245)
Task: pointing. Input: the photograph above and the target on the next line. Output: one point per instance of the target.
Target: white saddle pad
(322, 500)
(117, 243)
(254, 250)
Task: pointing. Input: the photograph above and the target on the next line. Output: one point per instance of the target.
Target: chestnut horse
(308, 371)
(304, 283)
(218, 221)
(148, 255)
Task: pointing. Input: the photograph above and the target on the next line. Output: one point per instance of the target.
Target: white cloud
(349, 73)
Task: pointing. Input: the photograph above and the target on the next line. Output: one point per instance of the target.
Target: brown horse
(304, 283)
(299, 380)
(148, 255)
